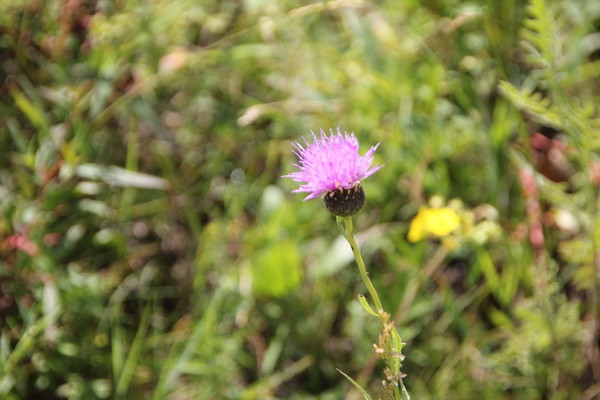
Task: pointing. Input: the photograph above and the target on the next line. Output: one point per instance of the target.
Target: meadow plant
(332, 166)
(137, 261)
(453, 225)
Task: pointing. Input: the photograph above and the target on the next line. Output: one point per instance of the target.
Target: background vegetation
(150, 250)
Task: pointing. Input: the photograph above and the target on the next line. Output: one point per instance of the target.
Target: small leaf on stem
(357, 386)
(366, 305)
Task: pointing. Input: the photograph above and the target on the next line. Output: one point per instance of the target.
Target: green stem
(348, 233)
(394, 343)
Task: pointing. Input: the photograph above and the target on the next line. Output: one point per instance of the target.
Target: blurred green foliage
(150, 249)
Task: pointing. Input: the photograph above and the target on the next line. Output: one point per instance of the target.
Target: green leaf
(35, 115)
(357, 386)
(366, 305)
(276, 270)
(540, 33)
(117, 176)
(486, 264)
(533, 103)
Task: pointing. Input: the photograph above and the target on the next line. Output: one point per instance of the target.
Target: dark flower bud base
(345, 202)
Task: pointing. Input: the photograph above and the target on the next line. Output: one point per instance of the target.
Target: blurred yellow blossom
(433, 221)
(454, 224)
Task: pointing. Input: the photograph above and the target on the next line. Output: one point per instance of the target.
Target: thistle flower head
(331, 164)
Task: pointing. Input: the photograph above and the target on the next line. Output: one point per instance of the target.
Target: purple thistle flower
(332, 165)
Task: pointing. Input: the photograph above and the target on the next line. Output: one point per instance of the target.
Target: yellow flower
(433, 221)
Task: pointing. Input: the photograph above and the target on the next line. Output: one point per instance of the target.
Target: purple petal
(330, 162)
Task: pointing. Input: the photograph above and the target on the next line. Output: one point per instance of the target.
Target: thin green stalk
(393, 344)
(348, 233)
